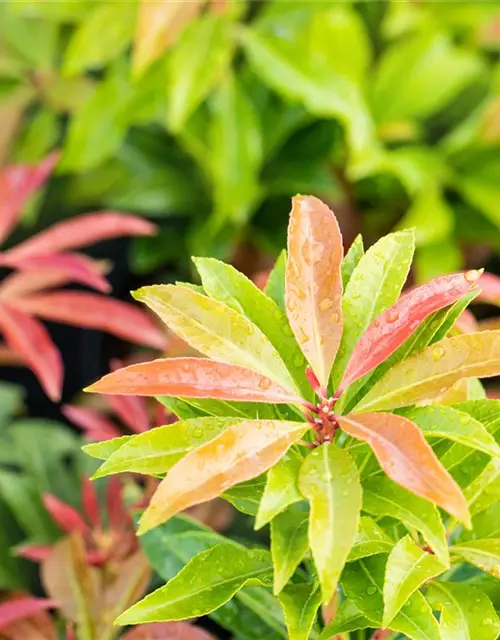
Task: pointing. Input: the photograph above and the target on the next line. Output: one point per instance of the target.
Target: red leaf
(407, 458)
(71, 266)
(131, 412)
(91, 421)
(193, 378)
(67, 518)
(34, 552)
(81, 309)
(489, 284)
(31, 341)
(313, 291)
(23, 283)
(90, 502)
(17, 184)
(23, 608)
(168, 631)
(82, 232)
(397, 323)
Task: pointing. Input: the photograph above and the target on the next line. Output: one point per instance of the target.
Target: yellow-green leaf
(484, 554)
(300, 604)
(289, 543)
(371, 539)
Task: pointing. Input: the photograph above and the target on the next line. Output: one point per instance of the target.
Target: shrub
(336, 411)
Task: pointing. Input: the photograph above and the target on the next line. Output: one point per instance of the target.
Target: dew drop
(392, 316)
(298, 360)
(335, 317)
(371, 591)
(264, 383)
(326, 304)
(437, 353)
(472, 275)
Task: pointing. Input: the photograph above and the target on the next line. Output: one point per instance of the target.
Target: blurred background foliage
(208, 116)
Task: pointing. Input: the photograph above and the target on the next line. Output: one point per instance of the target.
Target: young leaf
(329, 479)
(371, 539)
(275, 285)
(156, 451)
(405, 456)
(396, 324)
(466, 612)
(408, 567)
(313, 293)
(105, 449)
(215, 330)
(450, 423)
(300, 603)
(483, 554)
(240, 453)
(289, 544)
(351, 259)
(375, 284)
(432, 370)
(281, 487)
(209, 580)
(193, 378)
(381, 497)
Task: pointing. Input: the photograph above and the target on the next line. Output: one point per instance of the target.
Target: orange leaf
(407, 458)
(193, 378)
(240, 453)
(313, 292)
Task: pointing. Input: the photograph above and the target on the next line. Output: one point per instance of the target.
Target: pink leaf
(22, 608)
(131, 411)
(489, 284)
(193, 378)
(95, 425)
(72, 266)
(22, 283)
(313, 292)
(466, 322)
(90, 502)
(397, 323)
(34, 552)
(31, 341)
(168, 631)
(9, 357)
(64, 515)
(17, 184)
(82, 232)
(81, 309)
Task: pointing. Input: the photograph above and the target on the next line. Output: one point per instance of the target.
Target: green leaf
(105, 448)
(209, 580)
(351, 259)
(196, 65)
(289, 543)
(434, 369)
(246, 496)
(486, 524)
(483, 554)
(225, 284)
(281, 488)
(215, 329)
(466, 612)
(485, 489)
(101, 37)
(329, 479)
(362, 582)
(432, 260)
(300, 604)
(408, 568)
(348, 618)
(430, 216)
(371, 539)
(156, 451)
(452, 424)
(419, 76)
(382, 497)
(375, 284)
(275, 285)
(39, 136)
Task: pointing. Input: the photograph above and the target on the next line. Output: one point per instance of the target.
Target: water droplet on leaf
(437, 353)
(325, 304)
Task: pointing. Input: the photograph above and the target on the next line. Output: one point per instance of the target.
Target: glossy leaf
(330, 481)
(405, 456)
(375, 285)
(313, 293)
(452, 424)
(483, 554)
(275, 285)
(198, 589)
(484, 490)
(224, 283)
(193, 378)
(90, 311)
(348, 618)
(83, 231)
(381, 497)
(370, 540)
(289, 544)
(215, 330)
(281, 487)
(434, 369)
(246, 496)
(398, 322)
(351, 259)
(408, 568)
(466, 612)
(156, 451)
(29, 339)
(240, 453)
(300, 603)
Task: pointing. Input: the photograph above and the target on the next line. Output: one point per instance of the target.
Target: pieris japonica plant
(349, 418)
